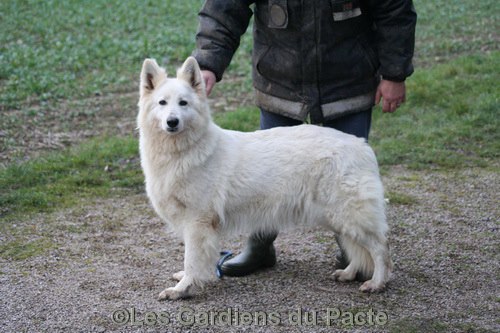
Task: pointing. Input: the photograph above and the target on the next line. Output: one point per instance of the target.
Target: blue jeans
(357, 124)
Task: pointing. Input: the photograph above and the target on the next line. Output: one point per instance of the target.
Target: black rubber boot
(258, 254)
(341, 262)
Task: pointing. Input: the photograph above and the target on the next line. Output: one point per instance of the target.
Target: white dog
(204, 180)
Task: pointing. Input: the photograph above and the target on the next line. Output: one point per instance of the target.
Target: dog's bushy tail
(358, 256)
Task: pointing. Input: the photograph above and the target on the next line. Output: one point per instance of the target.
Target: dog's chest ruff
(173, 180)
(165, 189)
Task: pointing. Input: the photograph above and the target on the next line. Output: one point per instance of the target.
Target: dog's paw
(343, 276)
(178, 276)
(371, 287)
(173, 294)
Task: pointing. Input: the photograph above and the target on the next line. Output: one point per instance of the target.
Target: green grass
(75, 50)
(450, 119)
(398, 198)
(61, 49)
(435, 129)
(21, 250)
(447, 29)
(61, 179)
(244, 119)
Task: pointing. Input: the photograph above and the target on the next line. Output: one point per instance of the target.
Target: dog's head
(172, 105)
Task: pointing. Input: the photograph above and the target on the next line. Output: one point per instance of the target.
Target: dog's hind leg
(379, 251)
(369, 254)
(201, 254)
(362, 233)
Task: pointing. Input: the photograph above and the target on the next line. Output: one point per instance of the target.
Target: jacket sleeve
(221, 24)
(395, 22)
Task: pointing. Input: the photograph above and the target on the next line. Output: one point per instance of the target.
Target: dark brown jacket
(322, 58)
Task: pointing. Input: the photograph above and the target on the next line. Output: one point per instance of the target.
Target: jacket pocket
(278, 65)
(277, 14)
(345, 9)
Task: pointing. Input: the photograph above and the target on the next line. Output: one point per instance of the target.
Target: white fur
(204, 180)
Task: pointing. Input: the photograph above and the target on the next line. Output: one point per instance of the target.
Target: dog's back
(283, 167)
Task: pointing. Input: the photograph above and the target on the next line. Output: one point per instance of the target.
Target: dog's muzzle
(172, 124)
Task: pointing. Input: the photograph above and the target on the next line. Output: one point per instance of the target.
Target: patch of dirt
(112, 257)
(45, 127)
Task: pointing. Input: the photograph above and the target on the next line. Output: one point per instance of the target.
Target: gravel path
(112, 257)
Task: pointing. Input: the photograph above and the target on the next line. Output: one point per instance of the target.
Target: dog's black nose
(172, 122)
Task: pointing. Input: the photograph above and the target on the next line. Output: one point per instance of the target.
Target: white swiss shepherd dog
(206, 181)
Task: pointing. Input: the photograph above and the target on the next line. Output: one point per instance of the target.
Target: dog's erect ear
(191, 73)
(151, 76)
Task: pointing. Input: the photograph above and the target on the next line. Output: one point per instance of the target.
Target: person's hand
(209, 78)
(392, 94)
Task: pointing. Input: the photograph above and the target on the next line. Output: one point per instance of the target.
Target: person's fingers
(386, 105)
(209, 78)
(209, 84)
(392, 94)
(394, 107)
(208, 87)
(390, 106)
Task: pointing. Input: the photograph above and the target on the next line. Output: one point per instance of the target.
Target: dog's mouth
(172, 129)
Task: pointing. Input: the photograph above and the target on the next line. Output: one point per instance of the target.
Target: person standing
(326, 61)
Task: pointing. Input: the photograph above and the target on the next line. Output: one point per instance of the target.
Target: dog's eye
(183, 103)
(163, 102)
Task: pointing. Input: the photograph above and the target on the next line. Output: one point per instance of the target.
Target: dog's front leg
(201, 254)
